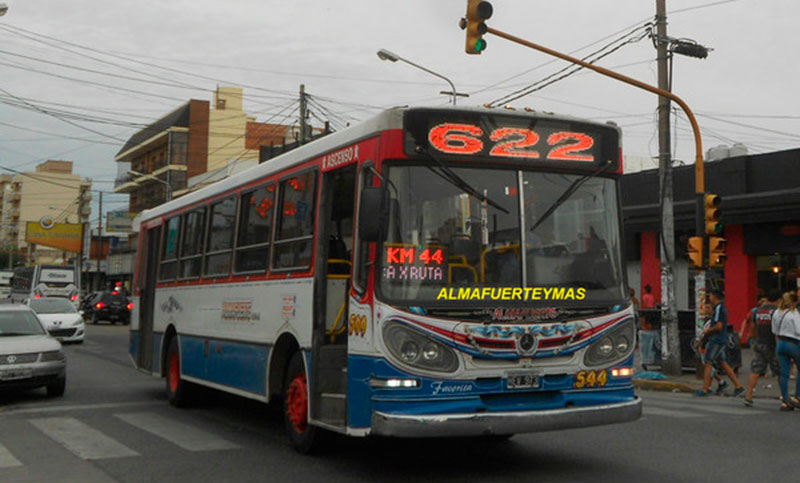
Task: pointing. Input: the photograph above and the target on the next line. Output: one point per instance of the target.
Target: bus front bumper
(503, 423)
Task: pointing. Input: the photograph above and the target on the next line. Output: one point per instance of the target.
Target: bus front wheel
(177, 389)
(304, 437)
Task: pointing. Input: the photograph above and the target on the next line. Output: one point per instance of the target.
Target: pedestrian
(763, 344)
(706, 312)
(748, 322)
(648, 301)
(634, 300)
(786, 326)
(717, 337)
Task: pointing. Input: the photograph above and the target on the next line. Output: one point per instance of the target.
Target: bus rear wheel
(178, 390)
(304, 437)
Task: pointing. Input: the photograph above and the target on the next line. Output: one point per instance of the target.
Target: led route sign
(458, 138)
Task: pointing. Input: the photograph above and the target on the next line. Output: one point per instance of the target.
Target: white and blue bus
(44, 281)
(430, 272)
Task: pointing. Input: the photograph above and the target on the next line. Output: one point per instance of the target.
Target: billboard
(120, 221)
(63, 236)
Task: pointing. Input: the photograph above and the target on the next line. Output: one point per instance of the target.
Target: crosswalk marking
(708, 406)
(183, 435)
(656, 411)
(82, 440)
(7, 459)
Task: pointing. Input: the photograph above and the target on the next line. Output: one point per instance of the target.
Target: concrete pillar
(740, 277)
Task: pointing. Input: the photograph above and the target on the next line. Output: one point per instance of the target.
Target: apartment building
(156, 162)
(52, 193)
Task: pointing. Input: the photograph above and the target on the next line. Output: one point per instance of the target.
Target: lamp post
(154, 178)
(384, 54)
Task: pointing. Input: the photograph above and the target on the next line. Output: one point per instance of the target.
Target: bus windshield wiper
(451, 177)
(567, 193)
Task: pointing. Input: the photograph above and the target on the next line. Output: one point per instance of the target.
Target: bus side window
(294, 236)
(192, 246)
(220, 237)
(169, 250)
(255, 228)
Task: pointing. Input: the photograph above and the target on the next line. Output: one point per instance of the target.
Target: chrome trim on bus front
(502, 423)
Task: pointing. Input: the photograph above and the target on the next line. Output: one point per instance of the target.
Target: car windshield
(19, 322)
(440, 237)
(52, 305)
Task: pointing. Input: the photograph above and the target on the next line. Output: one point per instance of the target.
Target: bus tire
(304, 437)
(178, 390)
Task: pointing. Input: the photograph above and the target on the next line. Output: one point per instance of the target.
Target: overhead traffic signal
(716, 251)
(694, 251)
(713, 214)
(477, 13)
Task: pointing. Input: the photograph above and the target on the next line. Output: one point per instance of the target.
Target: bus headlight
(614, 346)
(418, 350)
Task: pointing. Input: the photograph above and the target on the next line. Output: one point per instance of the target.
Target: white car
(59, 317)
(29, 357)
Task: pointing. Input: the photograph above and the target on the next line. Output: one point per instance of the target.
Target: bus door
(334, 267)
(147, 291)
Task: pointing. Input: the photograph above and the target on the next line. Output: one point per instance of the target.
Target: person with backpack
(717, 338)
(764, 344)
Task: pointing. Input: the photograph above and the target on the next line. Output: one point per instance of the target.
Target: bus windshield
(440, 237)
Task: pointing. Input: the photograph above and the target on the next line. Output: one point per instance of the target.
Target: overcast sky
(124, 64)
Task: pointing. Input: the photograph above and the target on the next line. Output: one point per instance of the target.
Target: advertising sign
(120, 221)
(63, 236)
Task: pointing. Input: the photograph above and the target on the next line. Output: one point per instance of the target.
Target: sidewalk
(767, 388)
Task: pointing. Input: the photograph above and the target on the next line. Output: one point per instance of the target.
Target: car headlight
(52, 356)
(77, 321)
(613, 346)
(418, 350)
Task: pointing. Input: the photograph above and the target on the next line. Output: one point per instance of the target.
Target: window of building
(255, 227)
(294, 237)
(192, 246)
(169, 250)
(220, 237)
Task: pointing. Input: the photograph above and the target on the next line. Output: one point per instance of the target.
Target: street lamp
(384, 54)
(154, 178)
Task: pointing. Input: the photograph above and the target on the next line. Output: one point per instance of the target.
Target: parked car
(112, 306)
(29, 356)
(59, 317)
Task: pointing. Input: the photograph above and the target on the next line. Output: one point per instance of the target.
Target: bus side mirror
(372, 213)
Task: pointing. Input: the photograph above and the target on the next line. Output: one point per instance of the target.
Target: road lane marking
(83, 441)
(73, 407)
(7, 459)
(186, 436)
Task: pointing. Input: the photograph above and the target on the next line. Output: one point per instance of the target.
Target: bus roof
(389, 119)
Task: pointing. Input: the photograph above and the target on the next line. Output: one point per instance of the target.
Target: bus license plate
(14, 374)
(521, 380)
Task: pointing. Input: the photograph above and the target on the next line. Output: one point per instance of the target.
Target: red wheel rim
(297, 403)
(174, 372)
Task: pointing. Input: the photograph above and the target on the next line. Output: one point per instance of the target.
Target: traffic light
(716, 251)
(713, 213)
(694, 251)
(477, 13)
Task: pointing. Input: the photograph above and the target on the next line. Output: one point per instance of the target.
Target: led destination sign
(547, 141)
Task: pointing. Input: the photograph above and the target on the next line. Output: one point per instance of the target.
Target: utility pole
(303, 114)
(100, 239)
(670, 339)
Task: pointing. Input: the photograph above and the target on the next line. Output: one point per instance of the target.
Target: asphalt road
(114, 424)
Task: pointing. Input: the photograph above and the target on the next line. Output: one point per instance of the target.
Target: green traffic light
(480, 45)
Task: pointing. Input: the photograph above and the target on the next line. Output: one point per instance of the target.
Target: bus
(5, 283)
(44, 281)
(429, 272)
